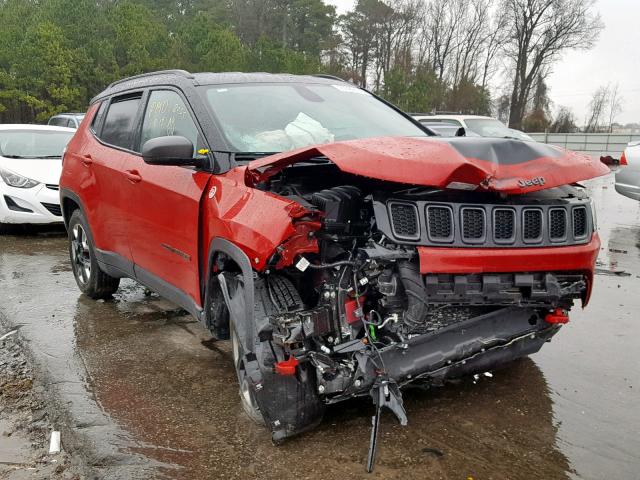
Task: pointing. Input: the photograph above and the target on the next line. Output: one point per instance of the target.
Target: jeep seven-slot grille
(532, 225)
(579, 222)
(557, 223)
(488, 225)
(404, 218)
(440, 221)
(473, 225)
(504, 224)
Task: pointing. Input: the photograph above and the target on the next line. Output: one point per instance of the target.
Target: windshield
(33, 143)
(275, 118)
(490, 127)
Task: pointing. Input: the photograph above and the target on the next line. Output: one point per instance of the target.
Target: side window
(167, 114)
(119, 124)
(96, 122)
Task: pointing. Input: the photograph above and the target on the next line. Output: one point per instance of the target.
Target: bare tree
(615, 104)
(540, 31)
(597, 107)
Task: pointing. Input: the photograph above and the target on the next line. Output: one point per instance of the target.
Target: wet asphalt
(144, 392)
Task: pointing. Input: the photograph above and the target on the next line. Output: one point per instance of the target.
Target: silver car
(628, 176)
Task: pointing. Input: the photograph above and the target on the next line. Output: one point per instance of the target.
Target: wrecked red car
(342, 248)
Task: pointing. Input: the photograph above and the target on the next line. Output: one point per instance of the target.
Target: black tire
(247, 397)
(288, 405)
(217, 311)
(91, 280)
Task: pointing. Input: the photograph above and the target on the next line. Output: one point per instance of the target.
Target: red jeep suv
(344, 249)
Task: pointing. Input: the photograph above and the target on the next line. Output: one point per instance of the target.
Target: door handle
(133, 176)
(87, 161)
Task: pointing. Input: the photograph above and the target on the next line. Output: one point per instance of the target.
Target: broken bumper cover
(475, 345)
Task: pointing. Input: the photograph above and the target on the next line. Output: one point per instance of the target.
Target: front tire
(247, 399)
(91, 280)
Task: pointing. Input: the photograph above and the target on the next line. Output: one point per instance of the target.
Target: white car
(475, 125)
(30, 167)
(628, 175)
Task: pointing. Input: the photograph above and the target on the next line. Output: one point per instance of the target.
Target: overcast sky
(614, 59)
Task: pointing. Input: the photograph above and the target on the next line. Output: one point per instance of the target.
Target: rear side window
(119, 124)
(98, 118)
(167, 114)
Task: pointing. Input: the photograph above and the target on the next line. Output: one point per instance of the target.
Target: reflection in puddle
(152, 371)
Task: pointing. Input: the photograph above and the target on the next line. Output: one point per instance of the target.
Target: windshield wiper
(248, 156)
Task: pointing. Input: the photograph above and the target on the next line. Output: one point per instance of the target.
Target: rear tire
(91, 280)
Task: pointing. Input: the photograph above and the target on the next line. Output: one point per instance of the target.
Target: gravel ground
(25, 423)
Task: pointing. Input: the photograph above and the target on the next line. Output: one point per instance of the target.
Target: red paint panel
(436, 163)
(256, 221)
(502, 260)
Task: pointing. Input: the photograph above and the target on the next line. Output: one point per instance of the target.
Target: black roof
(184, 78)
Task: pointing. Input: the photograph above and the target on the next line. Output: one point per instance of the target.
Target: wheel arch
(69, 202)
(243, 318)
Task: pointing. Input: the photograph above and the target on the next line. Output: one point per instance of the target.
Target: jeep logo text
(531, 182)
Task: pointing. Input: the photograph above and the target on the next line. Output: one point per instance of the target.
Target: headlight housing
(15, 180)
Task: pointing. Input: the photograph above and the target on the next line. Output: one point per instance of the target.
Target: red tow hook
(557, 316)
(286, 367)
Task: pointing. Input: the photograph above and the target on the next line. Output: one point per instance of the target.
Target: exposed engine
(364, 290)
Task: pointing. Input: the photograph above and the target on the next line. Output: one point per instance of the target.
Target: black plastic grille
(53, 209)
(515, 225)
(532, 225)
(579, 222)
(504, 224)
(440, 222)
(473, 224)
(557, 224)
(404, 218)
(52, 186)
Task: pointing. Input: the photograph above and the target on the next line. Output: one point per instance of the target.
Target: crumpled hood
(490, 164)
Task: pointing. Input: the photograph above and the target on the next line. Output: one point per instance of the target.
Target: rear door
(106, 200)
(163, 214)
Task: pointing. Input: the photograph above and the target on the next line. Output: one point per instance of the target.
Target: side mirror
(461, 132)
(170, 150)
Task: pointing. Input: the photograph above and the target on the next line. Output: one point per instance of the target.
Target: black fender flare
(243, 320)
(64, 194)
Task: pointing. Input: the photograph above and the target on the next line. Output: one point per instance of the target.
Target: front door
(165, 204)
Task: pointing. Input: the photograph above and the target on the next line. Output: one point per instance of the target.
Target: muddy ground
(140, 390)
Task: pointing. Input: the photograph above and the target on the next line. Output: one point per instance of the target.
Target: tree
(615, 104)
(565, 122)
(597, 108)
(538, 117)
(541, 30)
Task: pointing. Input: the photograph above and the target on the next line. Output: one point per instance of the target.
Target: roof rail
(327, 76)
(182, 73)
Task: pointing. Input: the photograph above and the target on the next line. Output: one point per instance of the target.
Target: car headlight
(594, 216)
(15, 180)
